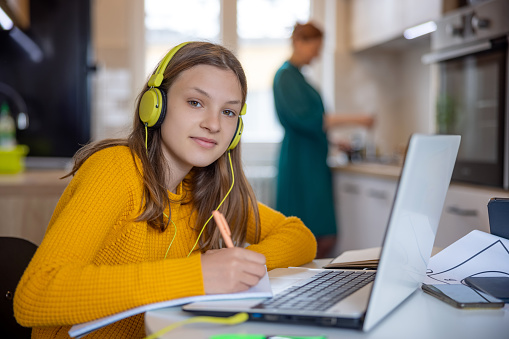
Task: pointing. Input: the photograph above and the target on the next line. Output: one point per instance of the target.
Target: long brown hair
(208, 185)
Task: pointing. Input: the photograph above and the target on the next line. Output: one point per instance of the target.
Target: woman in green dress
(304, 186)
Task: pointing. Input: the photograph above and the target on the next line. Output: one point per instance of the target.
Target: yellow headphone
(152, 108)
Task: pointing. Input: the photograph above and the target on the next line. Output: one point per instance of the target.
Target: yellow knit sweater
(95, 260)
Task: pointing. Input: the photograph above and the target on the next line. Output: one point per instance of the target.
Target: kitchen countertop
(48, 181)
(34, 182)
(392, 171)
(388, 171)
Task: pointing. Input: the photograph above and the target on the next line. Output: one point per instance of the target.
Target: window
(170, 22)
(264, 28)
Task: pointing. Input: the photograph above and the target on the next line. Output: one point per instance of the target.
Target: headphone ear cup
(162, 112)
(238, 133)
(152, 108)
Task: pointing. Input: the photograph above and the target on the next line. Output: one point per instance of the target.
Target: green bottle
(7, 128)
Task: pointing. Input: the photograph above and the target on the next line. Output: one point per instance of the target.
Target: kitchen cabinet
(363, 204)
(27, 201)
(465, 210)
(26, 217)
(376, 22)
(364, 201)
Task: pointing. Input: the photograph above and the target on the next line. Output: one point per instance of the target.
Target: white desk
(420, 316)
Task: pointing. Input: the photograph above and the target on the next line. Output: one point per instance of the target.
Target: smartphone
(498, 215)
(462, 296)
(495, 286)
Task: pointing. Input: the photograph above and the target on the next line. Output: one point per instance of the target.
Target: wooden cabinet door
(363, 205)
(465, 210)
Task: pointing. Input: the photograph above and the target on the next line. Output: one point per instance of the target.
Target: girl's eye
(229, 113)
(194, 103)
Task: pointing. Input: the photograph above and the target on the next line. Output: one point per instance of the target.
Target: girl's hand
(230, 270)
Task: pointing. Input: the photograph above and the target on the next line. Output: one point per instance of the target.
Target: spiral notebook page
(261, 290)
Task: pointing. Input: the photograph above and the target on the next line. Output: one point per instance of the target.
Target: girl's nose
(211, 121)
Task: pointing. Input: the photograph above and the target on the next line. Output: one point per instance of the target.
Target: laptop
(404, 257)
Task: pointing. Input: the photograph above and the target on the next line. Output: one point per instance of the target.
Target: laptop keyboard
(320, 292)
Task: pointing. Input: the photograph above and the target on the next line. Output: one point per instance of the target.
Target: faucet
(22, 118)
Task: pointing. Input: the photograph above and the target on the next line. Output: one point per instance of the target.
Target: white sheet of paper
(476, 254)
(261, 290)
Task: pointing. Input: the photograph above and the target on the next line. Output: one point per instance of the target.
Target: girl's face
(203, 107)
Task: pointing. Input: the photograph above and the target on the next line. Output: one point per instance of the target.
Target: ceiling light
(419, 30)
(5, 21)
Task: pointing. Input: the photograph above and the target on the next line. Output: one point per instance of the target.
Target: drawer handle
(382, 195)
(351, 189)
(462, 212)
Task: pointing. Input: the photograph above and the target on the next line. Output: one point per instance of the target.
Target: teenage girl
(134, 224)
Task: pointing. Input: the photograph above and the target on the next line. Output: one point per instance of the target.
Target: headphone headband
(157, 78)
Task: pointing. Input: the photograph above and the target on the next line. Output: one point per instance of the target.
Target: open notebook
(360, 259)
(261, 290)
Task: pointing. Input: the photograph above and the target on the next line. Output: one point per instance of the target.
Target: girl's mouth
(205, 142)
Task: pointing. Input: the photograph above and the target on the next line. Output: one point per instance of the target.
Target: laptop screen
(413, 224)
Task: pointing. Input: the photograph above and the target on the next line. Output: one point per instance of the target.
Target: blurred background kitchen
(70, 70)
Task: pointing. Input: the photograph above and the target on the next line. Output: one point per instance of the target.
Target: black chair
(15, 254)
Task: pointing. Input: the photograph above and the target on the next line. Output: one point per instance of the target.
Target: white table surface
(420, 316)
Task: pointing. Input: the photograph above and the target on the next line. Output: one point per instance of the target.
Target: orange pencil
(223, 228)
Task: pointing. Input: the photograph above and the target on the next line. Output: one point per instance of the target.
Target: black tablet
(498, 214)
